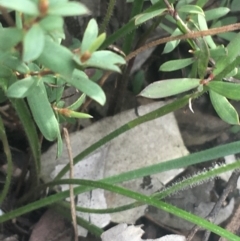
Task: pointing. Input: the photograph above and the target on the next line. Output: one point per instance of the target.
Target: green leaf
(176, 64)
(202, 57)
(42, 112)
(81, 81)
(97, 43)
(227, 89)
(235, 6)
(228, 69)
(216, 13)
(67, 9)
(22, 88)
(57, 58)
(190, 9)
(170, 46)
(89, 36)
(203, 26)
(5, 72)
(24, 6)
(33, 43)
(10, 37)
(80, 115)
(165, 88)
(141, 18)
(14, 63)
(217, 52)
(52, 23)
(78, 103)
(233, 50)
(224, 109)
(105, 59)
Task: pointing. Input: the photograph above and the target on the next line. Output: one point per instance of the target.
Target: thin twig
(232, 182)
(71, 175)
(191, 35)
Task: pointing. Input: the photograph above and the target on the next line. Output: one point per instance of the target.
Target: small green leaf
(224, 109)
(97, 43)
(203, 26)
(57, 58)
(227, 89)
(81, 81)
(24, 6)
(190, 9)
(141, 18)
(165, 88)
(68, 9)
(33, 43)
(228, 69)
(78, 103)
(233, 50)
(105, 59)
(80, 115)
(5, 72)
(10, 37)
(42, 112)
(89, 36)
(219, 51)
(22, 88)
(216, 13)
(176, 64)
(170, 46)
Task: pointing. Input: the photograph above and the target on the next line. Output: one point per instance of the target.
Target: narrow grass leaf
(216, 13)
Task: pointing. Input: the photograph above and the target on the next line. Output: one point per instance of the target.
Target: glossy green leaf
(81, 81)
(203, 26)
(224, 109)
(24, 6)
(22, 88)
(233, 50)
(89, 36)
(170, 46)
(57, 58)
(68, 9)
(33, 43)
(52, 23)
(190, 9)
(227, 89)
(141, 18)
(10, 37)
(216, 13)
(176, 64)
(42, 112)
(165, 88)
(105, 59)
